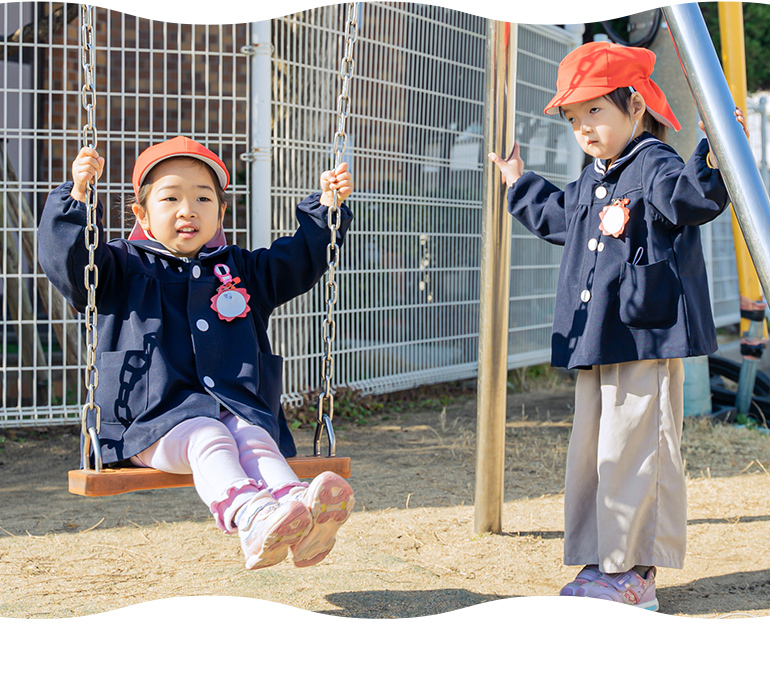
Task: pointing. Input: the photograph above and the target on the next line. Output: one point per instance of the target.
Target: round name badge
(229, 302)
(614, 218)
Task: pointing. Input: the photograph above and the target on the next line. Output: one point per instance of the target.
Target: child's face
(600, 127)
(181, 211)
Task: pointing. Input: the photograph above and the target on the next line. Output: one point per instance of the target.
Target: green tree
(756, 21)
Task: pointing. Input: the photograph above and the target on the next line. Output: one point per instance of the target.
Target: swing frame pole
(499, 121)
(715, 105)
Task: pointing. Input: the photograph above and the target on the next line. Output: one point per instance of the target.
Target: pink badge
(230, 302)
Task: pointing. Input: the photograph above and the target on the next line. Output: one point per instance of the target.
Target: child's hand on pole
(87, 167)
(512, 168)
(741, 118)
(339, 179)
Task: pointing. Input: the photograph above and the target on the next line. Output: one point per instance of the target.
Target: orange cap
(596, 69)
(178, 146)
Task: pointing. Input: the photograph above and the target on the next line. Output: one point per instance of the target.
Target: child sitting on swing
(188, 382)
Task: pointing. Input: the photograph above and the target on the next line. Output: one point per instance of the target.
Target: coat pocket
(649, 295)
(270, 381)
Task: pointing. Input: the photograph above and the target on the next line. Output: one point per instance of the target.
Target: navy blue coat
(163, 353)
(644, 294)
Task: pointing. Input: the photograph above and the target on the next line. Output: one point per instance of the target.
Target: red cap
(178, 146)
(596, 69)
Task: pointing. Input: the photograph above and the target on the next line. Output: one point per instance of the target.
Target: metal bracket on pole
(255, 155)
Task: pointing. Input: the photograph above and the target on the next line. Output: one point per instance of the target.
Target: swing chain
(334, 220)
(91, 274)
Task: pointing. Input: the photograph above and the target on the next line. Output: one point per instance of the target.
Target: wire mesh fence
(408, 279)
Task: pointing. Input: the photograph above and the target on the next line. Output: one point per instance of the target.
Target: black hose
(643, 42)
(721, 370)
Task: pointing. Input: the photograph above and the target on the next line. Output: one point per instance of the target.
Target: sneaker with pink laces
(626, 588)
(329, 500)
(267, 529)
(588, 574)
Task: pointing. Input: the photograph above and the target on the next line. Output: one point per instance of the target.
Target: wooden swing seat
(122, 480)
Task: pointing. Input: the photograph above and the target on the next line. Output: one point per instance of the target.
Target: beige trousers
(624, 499)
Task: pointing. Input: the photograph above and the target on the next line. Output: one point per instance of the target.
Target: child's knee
(210, 436)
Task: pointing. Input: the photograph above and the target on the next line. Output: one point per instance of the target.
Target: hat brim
(578, 94)
(222, 175)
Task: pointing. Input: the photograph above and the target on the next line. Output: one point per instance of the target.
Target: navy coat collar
(634, 146)
(155, 247)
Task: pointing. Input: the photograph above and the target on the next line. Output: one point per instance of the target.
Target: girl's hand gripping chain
(339, 179)
(87, 167)
(711, 159)
(512, 168)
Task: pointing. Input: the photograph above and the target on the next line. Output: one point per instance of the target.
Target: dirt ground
(409, 548)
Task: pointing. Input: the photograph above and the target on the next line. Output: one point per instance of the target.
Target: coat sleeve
(293, 265)
(539, 206)
(689, 193)
(62, 250)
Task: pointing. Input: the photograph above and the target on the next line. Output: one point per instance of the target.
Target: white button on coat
(196, 271)
(585, 295)
(600, 247)
(208, 382)
(202, 325)
(601, 192)
(592, 244)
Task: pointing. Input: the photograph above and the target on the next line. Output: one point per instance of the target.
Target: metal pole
(716, 105)
(751, 303)
(261, 134)
(500, 89)
(763, 137)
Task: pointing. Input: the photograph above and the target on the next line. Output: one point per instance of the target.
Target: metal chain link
(334, 219)
(91, 274)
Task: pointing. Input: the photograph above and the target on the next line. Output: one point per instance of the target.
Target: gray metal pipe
(260, 156)
(716, 107)
(763, 138)
(500, 90)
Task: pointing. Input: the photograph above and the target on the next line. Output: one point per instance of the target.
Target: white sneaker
(329, 500)
(267, 529)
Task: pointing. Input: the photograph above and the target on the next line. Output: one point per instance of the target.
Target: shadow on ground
(729, 521)
(400, 604)
(723, 594)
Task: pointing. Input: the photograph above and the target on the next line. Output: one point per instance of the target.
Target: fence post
(500, 106)
(261, 134)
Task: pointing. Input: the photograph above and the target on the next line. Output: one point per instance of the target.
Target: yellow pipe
(734, 61)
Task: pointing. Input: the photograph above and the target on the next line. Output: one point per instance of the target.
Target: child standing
(188, 383)
(632, 300)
